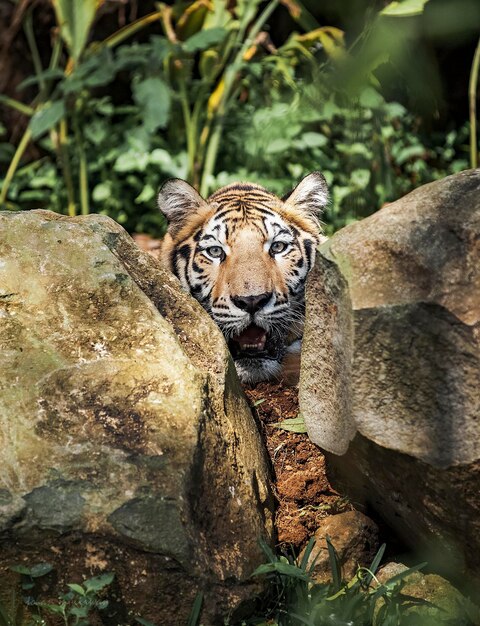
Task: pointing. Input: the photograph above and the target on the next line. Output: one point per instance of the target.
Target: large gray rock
(413, 274)
(127, 444)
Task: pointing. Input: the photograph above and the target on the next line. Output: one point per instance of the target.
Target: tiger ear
(310, 195)
(177, 200)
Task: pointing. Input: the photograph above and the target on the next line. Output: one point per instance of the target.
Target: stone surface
(327, 348)
(127, 443)
(355, 539)
(445, 603)
(413, 273)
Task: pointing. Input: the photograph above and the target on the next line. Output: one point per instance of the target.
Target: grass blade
(194, 617)
(306, 554)
(375, 563)
(335, 565)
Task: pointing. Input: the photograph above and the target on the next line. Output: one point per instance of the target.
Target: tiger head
(244, 254)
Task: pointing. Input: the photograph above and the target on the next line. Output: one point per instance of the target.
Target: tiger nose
(252, 304)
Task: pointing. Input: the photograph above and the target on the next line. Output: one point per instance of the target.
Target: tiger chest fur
(245, 254)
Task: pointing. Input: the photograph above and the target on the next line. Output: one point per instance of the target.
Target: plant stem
(18, 106)
(190, 130)
(472, 95)
(67, 172)
(129, 30)
(82, 159)
(14, 163)
(230, 76)
(37, 62)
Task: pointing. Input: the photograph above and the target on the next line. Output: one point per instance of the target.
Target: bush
(212, 101)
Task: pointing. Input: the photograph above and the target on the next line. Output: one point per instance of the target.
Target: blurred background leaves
(103, 100)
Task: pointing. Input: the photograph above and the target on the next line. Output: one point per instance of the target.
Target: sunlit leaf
(332, 40)
(75, 19)
(404, 8)
(293, 425)
(193, 18)
(280, 567)
(370, 98)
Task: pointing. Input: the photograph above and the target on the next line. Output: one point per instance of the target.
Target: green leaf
(20, 569)
(41, 569)
(44, 119)
(153, 97)
(293, 425)
(279, 567)
(334, 565)
(131, 162)
(404, 8)
(194, 617)
(57, 609)
(79, 611)
(101, 192)
(98, 582)
(162, 158)
(144, 622)
(360, 178)
(370, 98)
(278, 145)
(204, 39)
(75, 19)
(410, 152)
(372, 570)
(314, 140)
(147, 194)
(45, 75)
(76, 588)
(259, 402)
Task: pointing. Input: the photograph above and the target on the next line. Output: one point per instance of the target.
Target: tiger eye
(216, 252)
(278, 246)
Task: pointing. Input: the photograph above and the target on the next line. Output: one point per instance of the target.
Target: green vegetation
(213, 99)
(291, 597)
(72, 608)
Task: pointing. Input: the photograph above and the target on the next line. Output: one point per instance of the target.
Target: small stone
(355, 539)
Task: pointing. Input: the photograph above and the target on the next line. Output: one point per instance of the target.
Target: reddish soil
(304, 495)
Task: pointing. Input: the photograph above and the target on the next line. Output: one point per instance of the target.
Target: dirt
(304, 495)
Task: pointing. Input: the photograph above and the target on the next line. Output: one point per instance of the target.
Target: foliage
(293, 598)
(370, 151)
(290, 597)
(213, 100)
(73, 608)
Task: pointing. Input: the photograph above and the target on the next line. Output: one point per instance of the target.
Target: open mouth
(254, 343)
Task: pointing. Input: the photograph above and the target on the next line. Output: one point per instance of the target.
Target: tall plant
(58, 103)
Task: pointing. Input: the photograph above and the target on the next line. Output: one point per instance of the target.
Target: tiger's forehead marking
(227, 223)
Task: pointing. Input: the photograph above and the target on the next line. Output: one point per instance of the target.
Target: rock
(326, 364)
(443, 604)
(355, 539)
(413, 274)
(127, 443)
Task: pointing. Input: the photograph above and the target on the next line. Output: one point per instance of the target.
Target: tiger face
(244, 254)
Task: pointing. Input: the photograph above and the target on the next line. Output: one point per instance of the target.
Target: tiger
(244, 254)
